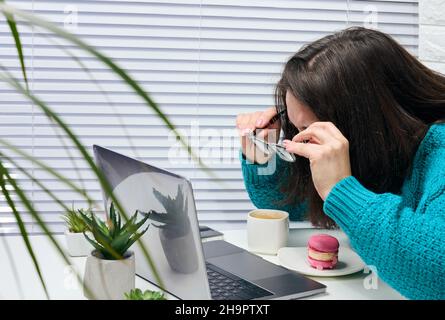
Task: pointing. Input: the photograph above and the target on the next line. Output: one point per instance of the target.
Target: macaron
(322, 251)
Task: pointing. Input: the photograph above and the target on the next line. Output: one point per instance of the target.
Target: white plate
(295, 258)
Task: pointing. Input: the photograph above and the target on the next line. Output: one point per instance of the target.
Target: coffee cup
(267, 230)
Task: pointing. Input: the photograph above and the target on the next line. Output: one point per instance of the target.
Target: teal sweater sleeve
(263, 186)
(402, 236)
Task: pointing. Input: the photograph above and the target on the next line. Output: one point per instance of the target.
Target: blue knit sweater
(403, 236)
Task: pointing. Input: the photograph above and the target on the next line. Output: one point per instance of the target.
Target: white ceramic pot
(77, 245)
(108, 279)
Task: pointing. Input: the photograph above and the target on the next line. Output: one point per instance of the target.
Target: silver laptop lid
(172, 238)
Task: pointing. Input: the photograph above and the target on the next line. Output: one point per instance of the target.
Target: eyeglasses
(270, 148)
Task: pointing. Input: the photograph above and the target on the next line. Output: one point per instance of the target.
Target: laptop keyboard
(226, 286)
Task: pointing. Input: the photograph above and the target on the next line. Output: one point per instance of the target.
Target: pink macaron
(323, 251)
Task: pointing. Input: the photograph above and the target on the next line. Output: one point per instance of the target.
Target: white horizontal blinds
(202, 61)
(243, 45)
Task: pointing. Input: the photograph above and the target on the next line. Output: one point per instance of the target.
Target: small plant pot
(77, 244)
(108, 279)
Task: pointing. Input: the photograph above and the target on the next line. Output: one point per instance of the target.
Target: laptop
(189, 268)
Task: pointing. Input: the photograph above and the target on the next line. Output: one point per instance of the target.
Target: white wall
(432, 33)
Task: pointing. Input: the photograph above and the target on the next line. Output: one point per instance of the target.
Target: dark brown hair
(376, 93)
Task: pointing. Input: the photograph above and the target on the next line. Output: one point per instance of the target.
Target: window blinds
(203, 61)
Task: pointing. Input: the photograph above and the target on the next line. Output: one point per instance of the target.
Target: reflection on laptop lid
(172, 239)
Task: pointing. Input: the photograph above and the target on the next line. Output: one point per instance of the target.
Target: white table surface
(62, 283)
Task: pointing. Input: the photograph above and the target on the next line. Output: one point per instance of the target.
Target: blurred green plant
(74, 220)
(16, 198)
(137, 294)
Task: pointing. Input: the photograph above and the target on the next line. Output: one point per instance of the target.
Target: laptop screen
(172, 239)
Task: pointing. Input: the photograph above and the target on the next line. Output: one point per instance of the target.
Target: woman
(364, 119)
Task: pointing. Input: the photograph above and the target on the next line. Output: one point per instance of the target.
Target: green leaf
(45, 167)
(137, 294)
(101, 229)
(104, 183)
(36, 181)
(74, 220)
(87, 219)
(135, 238)
(129, 222)
(21, 225)
(113, 222)
(134, 227)
(93, 243)
(119, 223)
(108, 251)
(18, 43)
(43, 226)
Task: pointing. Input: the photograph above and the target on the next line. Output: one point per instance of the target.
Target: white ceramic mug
(267, 230)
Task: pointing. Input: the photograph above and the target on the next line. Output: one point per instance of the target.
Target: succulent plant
(175, 222)
(74, 221)
(137, 294)
(112, 239)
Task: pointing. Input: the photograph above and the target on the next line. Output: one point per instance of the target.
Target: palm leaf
(36, 181)
(101, 89)
(47, 168)
(18, 43)
(104, 183)
(21, 225)
(24, 199)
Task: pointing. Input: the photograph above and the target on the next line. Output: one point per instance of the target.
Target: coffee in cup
(267, 230)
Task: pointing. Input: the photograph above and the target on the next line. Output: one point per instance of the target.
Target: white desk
(62, 283)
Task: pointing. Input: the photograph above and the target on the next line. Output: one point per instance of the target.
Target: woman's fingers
(321, 133)
(329, 159)
(248, 122)
(330, 128)
(265, 117)
(318, 135)
(307, 150)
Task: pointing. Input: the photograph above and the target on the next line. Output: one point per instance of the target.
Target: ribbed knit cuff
(255, 173)
(346, 201)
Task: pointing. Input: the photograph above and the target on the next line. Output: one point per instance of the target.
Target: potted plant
(137, 294)
(76, 243)
(175, 232)
(110, 269)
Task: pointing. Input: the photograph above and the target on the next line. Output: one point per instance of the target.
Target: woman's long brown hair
(378, 95)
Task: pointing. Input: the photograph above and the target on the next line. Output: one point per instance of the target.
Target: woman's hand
(249, 122)
(328, 154)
